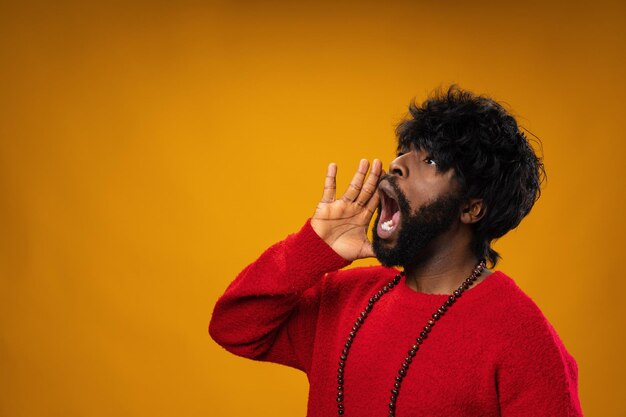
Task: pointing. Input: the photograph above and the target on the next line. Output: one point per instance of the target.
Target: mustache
(389, 178)
(393, 181)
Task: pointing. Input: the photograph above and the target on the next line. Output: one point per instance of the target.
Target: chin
(386, 252)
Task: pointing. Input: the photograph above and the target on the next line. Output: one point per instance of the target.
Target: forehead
(415, 141)
(409, 147)
(444, 167)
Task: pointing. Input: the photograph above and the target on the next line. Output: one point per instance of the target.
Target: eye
(430, 161)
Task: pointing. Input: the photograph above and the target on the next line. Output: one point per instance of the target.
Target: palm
(342, 223)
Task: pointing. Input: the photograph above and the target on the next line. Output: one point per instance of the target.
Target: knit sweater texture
(492, 354)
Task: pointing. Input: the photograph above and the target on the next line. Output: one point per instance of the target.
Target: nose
(398, 167)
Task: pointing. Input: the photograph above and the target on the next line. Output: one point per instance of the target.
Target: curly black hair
(491, 157)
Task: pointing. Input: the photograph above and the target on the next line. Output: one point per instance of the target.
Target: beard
(417, 229)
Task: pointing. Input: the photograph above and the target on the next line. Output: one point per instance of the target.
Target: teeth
(387, 226)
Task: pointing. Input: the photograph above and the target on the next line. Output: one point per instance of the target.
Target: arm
(538, 377)
(270, 311)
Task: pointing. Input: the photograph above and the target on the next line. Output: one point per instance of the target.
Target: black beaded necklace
(395, 392)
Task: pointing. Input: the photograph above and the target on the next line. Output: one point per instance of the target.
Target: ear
(473, 210)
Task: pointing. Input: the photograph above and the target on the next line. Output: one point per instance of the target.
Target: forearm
(248, 318)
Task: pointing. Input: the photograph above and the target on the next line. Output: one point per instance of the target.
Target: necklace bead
(402, 371)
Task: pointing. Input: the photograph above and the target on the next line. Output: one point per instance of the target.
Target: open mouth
(389, 219)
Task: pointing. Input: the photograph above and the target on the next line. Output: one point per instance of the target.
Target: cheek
(427, 191)
(417, 195)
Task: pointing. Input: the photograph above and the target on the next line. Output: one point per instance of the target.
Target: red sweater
(492, 354)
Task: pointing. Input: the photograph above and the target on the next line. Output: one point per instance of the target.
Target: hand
(343, 223)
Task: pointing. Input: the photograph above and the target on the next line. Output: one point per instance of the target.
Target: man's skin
(342, 223)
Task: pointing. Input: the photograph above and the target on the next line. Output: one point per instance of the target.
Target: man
(444, 337)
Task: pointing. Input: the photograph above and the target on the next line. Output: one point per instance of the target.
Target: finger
(372, 204)
(371, 184)
(357, 182)
(330, 184)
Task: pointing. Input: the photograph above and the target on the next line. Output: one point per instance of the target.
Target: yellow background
(150, 150)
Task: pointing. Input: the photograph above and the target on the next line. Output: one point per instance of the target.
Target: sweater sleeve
(269, 312)
(538, 377)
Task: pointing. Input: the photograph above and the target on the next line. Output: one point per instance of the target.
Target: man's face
(418, 204)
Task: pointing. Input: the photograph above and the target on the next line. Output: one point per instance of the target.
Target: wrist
(321, 245)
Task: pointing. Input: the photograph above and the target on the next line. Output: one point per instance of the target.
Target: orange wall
(149, 151)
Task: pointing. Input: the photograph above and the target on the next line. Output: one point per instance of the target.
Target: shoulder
(512, 303)
(534, 369)
(523, 326)
(357, 282)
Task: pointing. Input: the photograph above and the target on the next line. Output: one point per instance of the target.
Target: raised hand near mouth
(343, 222)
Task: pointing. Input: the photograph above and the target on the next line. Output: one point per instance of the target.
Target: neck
(442, 272)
